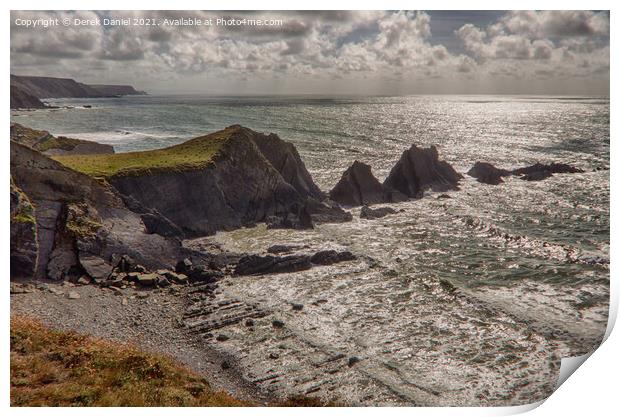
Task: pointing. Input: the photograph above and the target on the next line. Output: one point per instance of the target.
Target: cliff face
(81, 223)
(24, 248)
(22, 100)
(48, 144)
(24, 89)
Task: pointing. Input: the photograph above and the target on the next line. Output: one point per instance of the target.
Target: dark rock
(278, 324)
(258, 265)
(274, 355)
(184, 266)
(176, 277)
(487, 173)
(358, 187)
(536, 175)
(225, 365)
(368, 213)
(222, 338)
(353, 360)
(276, 249)
(419, 170)
(327, 212)
(249, 323)
(329, 257)
(204, 275)
(297, 307)
(163, 282)
(554, 168)
(443, 196)
(298, 219)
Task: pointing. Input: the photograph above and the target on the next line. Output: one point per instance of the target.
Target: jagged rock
(487, 173)
(327, 212)
(329, 257)
(257, 265)
(284, 157)
(369, 213)
(358, 187)
(419, 170)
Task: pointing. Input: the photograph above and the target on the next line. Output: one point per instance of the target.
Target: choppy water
(530, 259)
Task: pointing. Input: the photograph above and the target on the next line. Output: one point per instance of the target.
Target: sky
(323, 52)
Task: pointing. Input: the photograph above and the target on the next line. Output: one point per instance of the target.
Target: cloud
(323, 45)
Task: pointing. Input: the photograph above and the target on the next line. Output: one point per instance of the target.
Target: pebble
(73, 295)
(274, 356)
(277, 323)
(297, 307)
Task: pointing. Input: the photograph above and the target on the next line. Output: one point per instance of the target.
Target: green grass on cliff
(195, 153)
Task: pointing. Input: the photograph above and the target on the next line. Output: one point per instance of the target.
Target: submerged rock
(369, 213)
(329, 257)
(418, 170)
(487, 173)
(358, 187)
(269, 264)
(554, 168)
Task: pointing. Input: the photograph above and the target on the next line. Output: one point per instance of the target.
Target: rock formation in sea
(487, 173)
(48, 144)
(221, 181)
(81, 223)
(419, 170)
(22, 100)
(358, 187)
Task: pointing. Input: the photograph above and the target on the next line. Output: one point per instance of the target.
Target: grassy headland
(195, 153)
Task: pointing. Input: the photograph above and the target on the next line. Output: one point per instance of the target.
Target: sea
(467, 300)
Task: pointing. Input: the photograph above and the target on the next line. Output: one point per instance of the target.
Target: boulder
(419, 170)
(357, 187)
(95, 267)
(369, 213)
(487, 173)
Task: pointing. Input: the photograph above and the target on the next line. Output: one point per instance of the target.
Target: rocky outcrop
(221, 181)
(82, 224)
(22, 100)
(358, 187)
(283, 156)
(50, 145)
(419, 170)
(51, 87)
(540, 171)
(24, 248)
(487, 173)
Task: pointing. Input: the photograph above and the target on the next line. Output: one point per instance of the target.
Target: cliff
(116, 90)
(82, 225)
(48, 144)
(24, 89)
(219, 181)
(22, 100)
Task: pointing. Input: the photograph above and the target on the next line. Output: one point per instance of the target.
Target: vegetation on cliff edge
(195, 153)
